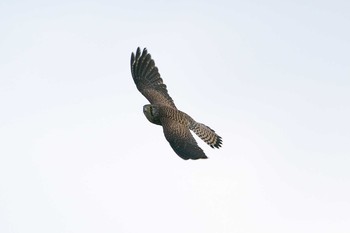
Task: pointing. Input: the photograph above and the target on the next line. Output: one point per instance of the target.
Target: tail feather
(206, 134)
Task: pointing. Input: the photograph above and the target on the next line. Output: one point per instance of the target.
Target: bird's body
(162, 110)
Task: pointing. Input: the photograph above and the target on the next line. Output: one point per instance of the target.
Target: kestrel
(162, 110)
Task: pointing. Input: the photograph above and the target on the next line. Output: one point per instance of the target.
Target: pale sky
(78, 155)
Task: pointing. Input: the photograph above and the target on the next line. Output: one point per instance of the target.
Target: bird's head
(152, 113)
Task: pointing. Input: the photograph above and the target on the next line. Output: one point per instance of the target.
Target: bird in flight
(162, 110)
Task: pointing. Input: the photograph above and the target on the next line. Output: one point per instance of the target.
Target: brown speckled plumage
(162, 110)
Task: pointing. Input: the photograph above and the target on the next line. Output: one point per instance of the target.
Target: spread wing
(181, 140)
(148, 80)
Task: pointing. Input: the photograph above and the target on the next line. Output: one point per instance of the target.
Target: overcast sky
(78, 155)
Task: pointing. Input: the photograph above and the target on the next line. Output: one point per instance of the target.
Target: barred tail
(206, 134)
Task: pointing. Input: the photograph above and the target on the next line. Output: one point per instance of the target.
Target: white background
(78, 155)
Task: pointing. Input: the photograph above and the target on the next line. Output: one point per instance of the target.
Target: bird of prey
(162, 110)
